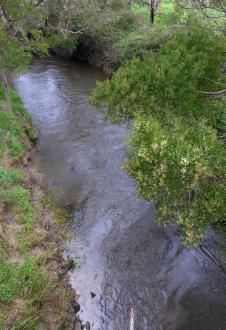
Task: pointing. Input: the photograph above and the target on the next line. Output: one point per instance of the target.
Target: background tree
(152, 5)
(15, 50)
(214, 11)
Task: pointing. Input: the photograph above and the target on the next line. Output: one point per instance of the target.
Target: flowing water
(124, 259)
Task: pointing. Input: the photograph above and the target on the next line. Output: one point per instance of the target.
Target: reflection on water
(125, 259)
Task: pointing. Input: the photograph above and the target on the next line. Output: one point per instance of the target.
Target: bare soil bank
(95, 51)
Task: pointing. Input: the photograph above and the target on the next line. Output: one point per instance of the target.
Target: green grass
(165, 8)
(12, 127)
(27, 282)
(141, 11)
(28, 238)
(10, 177)
(18, 198)
(9, 124)
(13, 191)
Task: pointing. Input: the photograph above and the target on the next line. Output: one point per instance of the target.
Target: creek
(124, 259)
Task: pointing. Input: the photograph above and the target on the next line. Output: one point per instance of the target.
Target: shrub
(168, 80)
(181, 168)
(129, 45)
(177, 157)
(69, 44)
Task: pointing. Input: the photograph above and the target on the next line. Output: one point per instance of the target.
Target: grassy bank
(34, 286)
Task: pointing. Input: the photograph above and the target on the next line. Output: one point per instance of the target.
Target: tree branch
(38, 3)
(66, 31)
(213, 93)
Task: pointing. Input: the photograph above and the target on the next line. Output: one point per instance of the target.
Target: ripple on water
(125, 259)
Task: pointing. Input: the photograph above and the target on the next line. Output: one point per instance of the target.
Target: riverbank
(34, 284)
(96, 51)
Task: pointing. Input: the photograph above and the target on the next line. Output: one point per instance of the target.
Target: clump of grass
(10, 177)
(35, 286)
(8, 123)
(19, 199)
(5, 248)
(61, 217)
(27, 283)
(47, 255)
(47, 202)
(15, 147)
(27, 239)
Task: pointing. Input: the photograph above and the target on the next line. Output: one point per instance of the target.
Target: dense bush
(130, 45)
(13, 55)
(177, 157)
(182, 168)
(166, 80)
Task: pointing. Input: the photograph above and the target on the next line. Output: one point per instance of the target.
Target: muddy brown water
(123, 257)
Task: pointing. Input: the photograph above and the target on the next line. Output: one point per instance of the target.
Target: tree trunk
(152, 13)
(2, 16)
(153, 8)
(8, 23)
(6, 91)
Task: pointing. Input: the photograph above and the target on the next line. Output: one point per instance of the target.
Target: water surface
(124, 258)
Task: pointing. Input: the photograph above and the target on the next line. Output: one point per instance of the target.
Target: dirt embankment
(95, 51)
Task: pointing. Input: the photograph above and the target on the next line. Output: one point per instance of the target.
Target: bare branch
(213, 93)
(66, 31)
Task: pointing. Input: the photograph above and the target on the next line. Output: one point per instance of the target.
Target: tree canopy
(177, 141)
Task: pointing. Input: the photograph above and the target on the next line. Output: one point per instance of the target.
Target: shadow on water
(124, 258)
